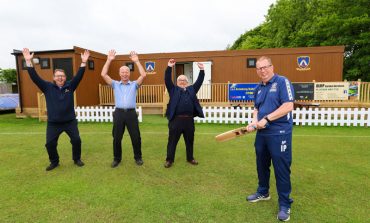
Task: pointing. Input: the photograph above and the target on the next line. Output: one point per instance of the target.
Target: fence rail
(364, 92)
(146, 94)
(310, 116)
(100, 114)
(154, 94)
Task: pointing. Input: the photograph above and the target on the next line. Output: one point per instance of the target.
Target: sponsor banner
(353, 89)
(331, 91)
(303, 91)
(241, 91)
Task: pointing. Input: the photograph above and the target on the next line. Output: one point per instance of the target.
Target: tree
(301, 23)
(8, 75)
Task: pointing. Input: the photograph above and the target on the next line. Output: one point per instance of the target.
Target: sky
(146, 26)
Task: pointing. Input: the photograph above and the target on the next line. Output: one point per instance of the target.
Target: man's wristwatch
(267, 119)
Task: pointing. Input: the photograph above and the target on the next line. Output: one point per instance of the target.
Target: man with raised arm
(60, 108)
(181, 110)
(125, 112)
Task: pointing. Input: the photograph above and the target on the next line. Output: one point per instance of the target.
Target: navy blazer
(174, 92)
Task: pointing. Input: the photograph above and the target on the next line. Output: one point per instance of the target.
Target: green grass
(330, 177)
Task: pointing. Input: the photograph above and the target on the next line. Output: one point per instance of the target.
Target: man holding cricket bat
(181, 110)
(272, 118)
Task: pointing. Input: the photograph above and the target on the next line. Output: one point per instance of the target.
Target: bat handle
(246, 129)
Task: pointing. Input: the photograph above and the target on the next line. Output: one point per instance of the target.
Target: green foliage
(305, 23)
(8, 75)
(330, 165)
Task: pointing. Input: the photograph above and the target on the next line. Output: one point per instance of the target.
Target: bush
(8, 75)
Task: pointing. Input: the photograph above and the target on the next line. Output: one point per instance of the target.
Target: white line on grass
(165, 133)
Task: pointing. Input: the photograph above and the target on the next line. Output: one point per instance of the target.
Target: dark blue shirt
(268, 98)
(185, 106)
(59, 101)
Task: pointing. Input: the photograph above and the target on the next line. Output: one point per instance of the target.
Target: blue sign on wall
(241, 92)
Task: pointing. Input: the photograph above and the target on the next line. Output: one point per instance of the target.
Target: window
(131, 66)
(24, 64)
(45, 63)
(251, 62)
(90, 64)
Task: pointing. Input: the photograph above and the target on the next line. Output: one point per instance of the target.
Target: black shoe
(139, 162)
(193, 162)
(79, 163)
(168, 164)
(52, 166)
(115, 163)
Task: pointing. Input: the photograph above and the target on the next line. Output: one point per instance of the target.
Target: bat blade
(232, 134)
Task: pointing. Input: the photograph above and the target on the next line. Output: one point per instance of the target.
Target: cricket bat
(232, 134)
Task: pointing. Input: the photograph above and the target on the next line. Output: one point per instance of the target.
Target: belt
(184, 116)
(126, 109)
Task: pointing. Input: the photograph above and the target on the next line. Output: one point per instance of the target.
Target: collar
(64, 86)
(128, 83)
(272, 80)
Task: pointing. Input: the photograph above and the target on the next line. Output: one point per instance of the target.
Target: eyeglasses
(182, 80)
(263, 68)
(60, 76)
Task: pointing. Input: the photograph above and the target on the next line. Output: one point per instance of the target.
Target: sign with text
(241, 91)
(331, 91)
(303, 91)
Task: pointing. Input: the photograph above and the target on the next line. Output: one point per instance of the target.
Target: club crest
(273, 87)
(303, 63)
(150, 67)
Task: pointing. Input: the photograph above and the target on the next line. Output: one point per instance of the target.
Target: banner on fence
(241, 91)
(331, 91)
(303, 91)
(353, 89)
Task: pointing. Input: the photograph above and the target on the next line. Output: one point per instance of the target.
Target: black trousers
(176, 127)
(53, 131)
(121, 119)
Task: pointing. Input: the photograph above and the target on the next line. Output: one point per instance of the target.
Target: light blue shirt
(125, 94)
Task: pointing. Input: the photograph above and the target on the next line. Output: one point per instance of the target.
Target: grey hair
(60, 70)
(265, 58)
(184, 76)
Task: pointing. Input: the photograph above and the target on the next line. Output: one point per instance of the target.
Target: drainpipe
(18, 79)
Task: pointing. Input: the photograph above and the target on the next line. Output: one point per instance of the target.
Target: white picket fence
(100, 114)
(310, 116)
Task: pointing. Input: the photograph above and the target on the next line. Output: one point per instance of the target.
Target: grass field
(330, 177)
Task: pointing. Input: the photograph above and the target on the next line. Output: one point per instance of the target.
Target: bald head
(124, 68)
(124, 73)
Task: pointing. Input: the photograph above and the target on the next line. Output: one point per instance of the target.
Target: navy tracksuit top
(59, 101)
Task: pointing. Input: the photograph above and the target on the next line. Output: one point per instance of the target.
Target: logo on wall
(149, 67)
(233, 86)
(303, 63)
